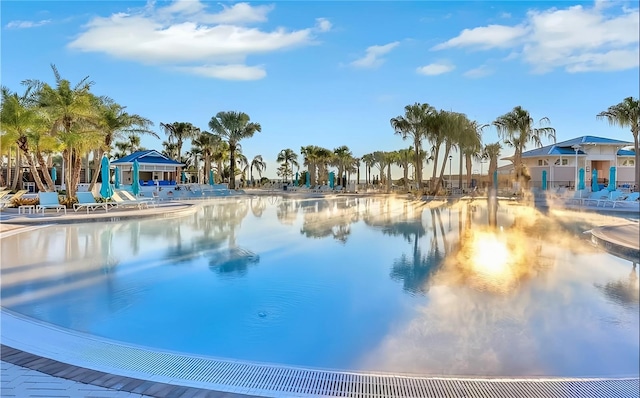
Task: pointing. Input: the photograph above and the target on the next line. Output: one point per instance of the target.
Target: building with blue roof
(154, 168)
(562, 161)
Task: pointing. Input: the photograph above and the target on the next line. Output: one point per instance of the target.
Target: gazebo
(154, 168)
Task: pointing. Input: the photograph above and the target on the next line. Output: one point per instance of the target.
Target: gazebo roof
(150, 157)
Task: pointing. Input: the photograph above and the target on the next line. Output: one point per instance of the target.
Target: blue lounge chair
(87, 201)
(49, 200)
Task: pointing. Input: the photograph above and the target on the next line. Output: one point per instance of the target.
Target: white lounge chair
(623, 201)
(49, 200)
(148, 201)
(87, 201)
(595, 197)
(119, 202)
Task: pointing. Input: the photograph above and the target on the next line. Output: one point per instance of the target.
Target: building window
(565, 162)
(543, 162)
(629, 162)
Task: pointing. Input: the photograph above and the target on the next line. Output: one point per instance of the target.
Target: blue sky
(333, 73)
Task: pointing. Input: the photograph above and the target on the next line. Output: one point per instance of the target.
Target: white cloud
(227, 72)
(578, 39)
(26, 24)
(373, 56)
(185, 36)
(485, 37)
(505, 15)
(435, 69)
(478, 72)
(323, 24)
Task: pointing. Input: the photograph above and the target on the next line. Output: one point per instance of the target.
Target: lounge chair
(87, 201)
(49, 200)
(148, 201)
(6, 200)
(623, 201)
(596, 197)
(119, 202)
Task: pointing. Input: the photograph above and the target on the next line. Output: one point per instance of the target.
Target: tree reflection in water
(625, 292)
(329, 218)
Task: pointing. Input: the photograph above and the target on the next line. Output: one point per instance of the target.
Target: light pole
(576, 148)
(450, 157)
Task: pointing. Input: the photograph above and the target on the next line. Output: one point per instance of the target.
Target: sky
(334, 73)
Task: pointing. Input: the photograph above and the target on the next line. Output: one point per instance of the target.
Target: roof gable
(147, 157)
(566, 147)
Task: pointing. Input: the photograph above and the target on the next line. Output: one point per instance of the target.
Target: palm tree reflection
(625, 292)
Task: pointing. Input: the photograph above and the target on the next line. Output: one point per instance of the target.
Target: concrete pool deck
(29, 374)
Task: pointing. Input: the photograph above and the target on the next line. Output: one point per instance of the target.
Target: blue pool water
(347, 283)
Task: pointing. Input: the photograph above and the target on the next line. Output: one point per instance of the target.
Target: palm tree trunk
(51, 187)
(447, 149)
(460, 173)
(389, 177)
(97, 157)
(17, 171)
(468, 166)
(232, 166)
(636, 148)
(406, 176)
(418, 162)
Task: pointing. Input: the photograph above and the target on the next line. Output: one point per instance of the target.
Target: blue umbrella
(612, 179)
(544, 180)
(331, 179)
(183, 177)
(135, 185)
(594, 181)
(211, 179)
(307, 179)
(495, 179)
(105, 190)
(54, 174)
(116, 181)
(295, 182)
(581, 179)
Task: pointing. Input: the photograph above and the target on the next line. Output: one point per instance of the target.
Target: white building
(563, 160)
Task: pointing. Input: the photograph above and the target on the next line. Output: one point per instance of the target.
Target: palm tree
(343, 157)
(471, 146)
(116, 122)
(74, 119)
(415, 124)
(177, 133)
(492, 152)
(626, 114)
(260, 165)
(206, 143)
(311, 156)
(288, 156)
(233, 126)
(403, 159)
(19, 120)
(516, 129)
(452, 123)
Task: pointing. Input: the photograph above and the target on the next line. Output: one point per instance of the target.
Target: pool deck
(27, 374)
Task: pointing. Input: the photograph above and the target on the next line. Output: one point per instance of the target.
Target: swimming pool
(364, 283)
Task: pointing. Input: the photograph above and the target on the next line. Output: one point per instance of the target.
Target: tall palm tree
(516, 129)
(626, 114)
(343, 157)
(260, 165)
(451, 125)
(117, 123)
(403, 159)
(206, 144)
(177, 133)
(368, 161)
(287, 156)
(492, 152)
(311, 156)
(234, 127)
(74, 118)
(471, 146)
(415, 124)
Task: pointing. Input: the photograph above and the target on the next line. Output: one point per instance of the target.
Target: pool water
(369, 283)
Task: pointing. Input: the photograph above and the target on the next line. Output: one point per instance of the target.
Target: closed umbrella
(307, 179)
(183, 177)
(594, 181)
(581, 184)
(544, 180)
(105, 190)
(54, 174)
(331, 179)
(135, 184)
(612, 179)
(116, 179)
(295, 182)
(211, 180)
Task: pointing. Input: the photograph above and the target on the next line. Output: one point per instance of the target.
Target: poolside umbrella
(331, 178)
(116, 178)
(211, 180)
(105, 190)
(135, 184)
(612, 179)
(495, 179)
(544, 180)
(183, 177)
(54, 174)
(295, 182)
(581, 179)
(307, 179)
(594, 181)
